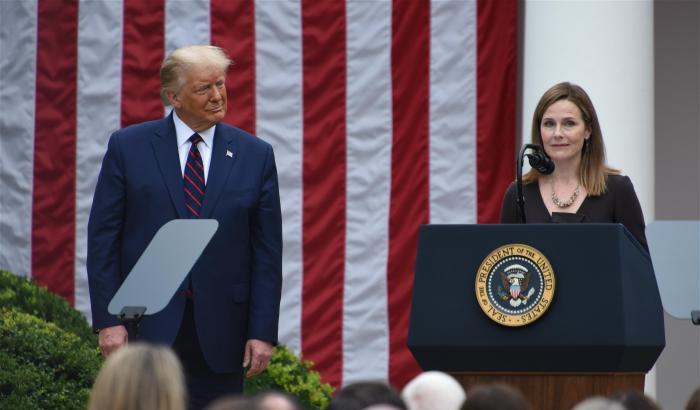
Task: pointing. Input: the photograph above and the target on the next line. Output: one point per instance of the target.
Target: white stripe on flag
(18, 31)
(369, 138)
(98, 115)
(186, 23)
(453, 112)
(279, 110)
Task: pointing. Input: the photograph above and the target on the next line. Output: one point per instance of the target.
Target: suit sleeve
(266, 241)
(104, 234)
(628, 211)
(509, 211)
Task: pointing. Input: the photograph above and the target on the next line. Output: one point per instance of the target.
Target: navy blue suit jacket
(237, 280)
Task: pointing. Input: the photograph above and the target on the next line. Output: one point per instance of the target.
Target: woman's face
(563, 131)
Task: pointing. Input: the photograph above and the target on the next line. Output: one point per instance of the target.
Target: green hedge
(286, 372)
(43, 366)
(53, 365)
(23, 295)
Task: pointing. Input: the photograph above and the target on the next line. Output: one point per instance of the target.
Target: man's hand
(257, 355)
(111, 338)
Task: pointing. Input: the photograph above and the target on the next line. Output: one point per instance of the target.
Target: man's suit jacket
(237, 280)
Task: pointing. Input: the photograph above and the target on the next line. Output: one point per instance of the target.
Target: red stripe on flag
(324, 169)
(496, 79)
(53, 202)
(143, 52)
(233, 29)
(410, 61)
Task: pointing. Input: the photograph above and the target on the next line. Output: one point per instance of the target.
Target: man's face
(201, 101)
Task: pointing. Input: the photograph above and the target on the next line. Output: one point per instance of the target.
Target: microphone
(539, 161)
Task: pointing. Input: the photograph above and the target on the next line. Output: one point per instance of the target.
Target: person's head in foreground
(233, 402)
(433, 390)
(635, 400)
(598, 403)
(139, 376)
(277, 400)
(360, 395)
(495, 397)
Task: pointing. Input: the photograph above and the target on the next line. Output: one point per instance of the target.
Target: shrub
(43, 366)
(53, 365)
(26, 296)
(286, 372)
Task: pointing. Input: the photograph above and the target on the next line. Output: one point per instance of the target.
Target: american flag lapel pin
(229, 154)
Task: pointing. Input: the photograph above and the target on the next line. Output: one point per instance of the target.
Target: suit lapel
(223, 156)
(165, 148)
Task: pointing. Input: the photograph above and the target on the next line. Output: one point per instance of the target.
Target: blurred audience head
(495, 396)
(232, 402)
(433, 391)
(635, 400)
(694, 400)
(360, 395)
(598, 403)
(277, 400)
(139, 376)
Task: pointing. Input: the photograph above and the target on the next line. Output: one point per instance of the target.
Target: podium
(601, 331)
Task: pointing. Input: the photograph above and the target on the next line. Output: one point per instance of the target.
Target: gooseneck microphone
(540, 162)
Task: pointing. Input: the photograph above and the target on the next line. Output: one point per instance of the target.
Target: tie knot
(196, 139)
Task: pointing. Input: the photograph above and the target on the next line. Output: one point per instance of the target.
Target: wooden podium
(601, 332)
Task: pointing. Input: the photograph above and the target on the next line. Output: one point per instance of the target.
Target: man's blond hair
(172, 71)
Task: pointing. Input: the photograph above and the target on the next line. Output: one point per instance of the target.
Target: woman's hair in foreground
(139, 376)
(593, 170)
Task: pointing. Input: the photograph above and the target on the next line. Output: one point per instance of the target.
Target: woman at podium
(582, 187)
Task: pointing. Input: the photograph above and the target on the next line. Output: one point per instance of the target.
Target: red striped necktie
(194, 179)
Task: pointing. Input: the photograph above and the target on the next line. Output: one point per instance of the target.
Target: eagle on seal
(515, 279)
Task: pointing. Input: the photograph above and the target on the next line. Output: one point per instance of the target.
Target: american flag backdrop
(384, 115)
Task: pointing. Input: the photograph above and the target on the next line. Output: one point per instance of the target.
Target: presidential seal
(515, 285)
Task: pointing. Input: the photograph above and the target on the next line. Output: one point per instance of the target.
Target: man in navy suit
(191, 165)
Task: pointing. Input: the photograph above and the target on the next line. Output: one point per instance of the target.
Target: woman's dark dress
(619, 204)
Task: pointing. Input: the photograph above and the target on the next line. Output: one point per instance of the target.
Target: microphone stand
(519, 184)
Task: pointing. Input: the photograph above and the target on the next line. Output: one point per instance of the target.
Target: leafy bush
(26, 296)
(286, 372)
(53, 365)
(43, 366)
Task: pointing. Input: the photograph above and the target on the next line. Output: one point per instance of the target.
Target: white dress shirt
(184, 133)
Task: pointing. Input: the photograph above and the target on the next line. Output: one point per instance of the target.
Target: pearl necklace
(568, 202)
